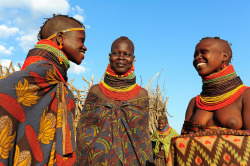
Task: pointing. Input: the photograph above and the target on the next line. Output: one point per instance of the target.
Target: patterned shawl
(37, 115)
(114, 134)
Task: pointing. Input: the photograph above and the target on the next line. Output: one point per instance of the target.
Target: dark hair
(163, 117)
(56, 24)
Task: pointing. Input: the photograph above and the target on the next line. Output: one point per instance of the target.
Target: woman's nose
(84, 48)
(121, 56)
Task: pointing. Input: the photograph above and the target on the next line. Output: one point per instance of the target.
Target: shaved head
(56, 24)
(123, 39)
(224, 45)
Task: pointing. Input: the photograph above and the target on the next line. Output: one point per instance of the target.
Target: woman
(216, 127)
(36, 107)
(113, 127)
(224, 100)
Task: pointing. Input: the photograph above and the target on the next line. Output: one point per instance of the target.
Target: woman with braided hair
(113, 127)
(216, 126)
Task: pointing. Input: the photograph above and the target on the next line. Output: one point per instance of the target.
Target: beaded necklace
(120, 87)
(220, 89)
(111, 72)
(49, 51)
(52, 47)
(164, 132)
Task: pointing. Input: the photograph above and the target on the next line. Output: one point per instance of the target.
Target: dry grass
(157, 104)
(157, 101)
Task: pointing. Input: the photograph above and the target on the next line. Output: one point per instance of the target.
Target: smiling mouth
(82, 53)
(200, 64)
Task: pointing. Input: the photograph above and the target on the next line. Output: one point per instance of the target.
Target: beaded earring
(60, 46)
(223, 65)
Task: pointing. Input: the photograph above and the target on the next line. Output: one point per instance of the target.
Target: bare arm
(190, 109)
(246, 109)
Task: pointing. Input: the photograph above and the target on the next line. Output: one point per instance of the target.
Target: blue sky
(164, 34)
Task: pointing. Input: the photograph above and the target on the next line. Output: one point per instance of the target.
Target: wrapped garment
(210, 145)
(37, 115)
(161, 142)
(114, 134)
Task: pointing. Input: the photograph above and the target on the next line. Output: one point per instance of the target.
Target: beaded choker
(220, 89)
(111, 72)
(120, 87)
(164, 132)
(48, 50)
(52, 47)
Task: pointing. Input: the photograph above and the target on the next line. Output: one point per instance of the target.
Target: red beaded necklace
(120, 87)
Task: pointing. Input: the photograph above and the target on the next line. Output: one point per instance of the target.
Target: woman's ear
(60, 38)
(226, 56)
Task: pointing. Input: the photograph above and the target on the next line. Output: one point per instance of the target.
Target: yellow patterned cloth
(36, 117)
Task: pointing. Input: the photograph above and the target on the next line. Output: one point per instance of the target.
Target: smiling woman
(217, 120)
(222, 101)
(114, 120)
(36, 106)
(122, 55)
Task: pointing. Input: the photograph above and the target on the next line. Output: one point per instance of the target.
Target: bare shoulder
(190, 109)
(95, 89)
(246, 94)
(143, 93)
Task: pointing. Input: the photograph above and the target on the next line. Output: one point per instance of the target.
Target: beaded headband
(66, 30)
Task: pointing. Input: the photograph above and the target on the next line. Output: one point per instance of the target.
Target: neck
(165, 128)
(111, 72)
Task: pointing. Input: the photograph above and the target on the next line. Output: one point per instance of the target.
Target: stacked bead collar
(220, 89)
(120, 87)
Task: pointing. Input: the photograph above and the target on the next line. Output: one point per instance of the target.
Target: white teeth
(82, 53)
(199, 64)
